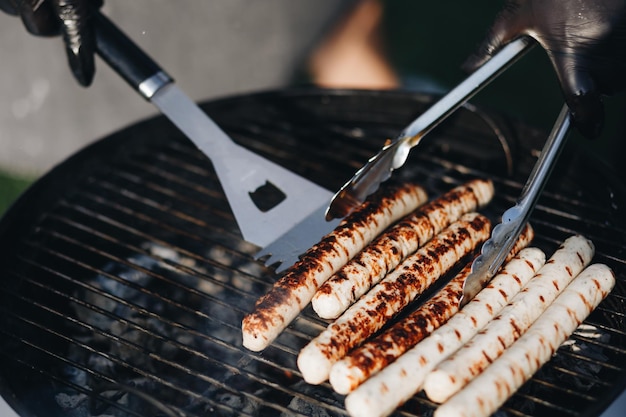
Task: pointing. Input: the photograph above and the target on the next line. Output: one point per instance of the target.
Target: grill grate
(125, 279)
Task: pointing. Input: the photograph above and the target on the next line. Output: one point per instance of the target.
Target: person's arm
(585, 41)
(67, 18)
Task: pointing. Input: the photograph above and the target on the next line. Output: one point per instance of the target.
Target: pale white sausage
(400, 380)
(520, 361)
(391, 295)
(294, 290)
(460, 368)
(381, 256)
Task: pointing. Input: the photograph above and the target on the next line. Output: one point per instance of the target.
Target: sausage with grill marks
(382, 393)
(391, 295)
(375, 354)
(471, 359)
(294, 290)
(520, 361)
(380, 257)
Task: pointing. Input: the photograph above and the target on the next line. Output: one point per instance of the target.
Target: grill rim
(49, 185)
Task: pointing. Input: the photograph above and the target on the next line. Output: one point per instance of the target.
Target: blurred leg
(352, 55)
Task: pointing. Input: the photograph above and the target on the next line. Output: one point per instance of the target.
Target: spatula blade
(243, 172)
(287, 248)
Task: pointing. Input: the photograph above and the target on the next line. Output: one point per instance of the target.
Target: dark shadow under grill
(125, 279)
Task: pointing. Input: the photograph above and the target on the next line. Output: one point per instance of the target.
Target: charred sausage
(388, 250)
(294, 290)
(395, 384)
(391, 295)
(375, 354)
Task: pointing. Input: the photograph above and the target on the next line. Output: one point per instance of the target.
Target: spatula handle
(127, 59)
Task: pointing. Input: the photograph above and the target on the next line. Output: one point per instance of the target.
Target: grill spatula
(267, 200)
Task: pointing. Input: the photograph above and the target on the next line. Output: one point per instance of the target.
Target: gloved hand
(585, 41)
(69, 18)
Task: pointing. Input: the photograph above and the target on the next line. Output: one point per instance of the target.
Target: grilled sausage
(395, 384)
(520, 361)
(457, 370)
(391, 295)
(293, 291)
(375, 354)
(388, 250)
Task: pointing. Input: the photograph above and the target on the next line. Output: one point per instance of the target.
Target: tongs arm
(392, 156)
(495, 250)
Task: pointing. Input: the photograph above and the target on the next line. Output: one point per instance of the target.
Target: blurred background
(216, 48)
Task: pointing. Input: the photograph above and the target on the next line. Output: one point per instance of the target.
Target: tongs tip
(342, 204)
(366, 180)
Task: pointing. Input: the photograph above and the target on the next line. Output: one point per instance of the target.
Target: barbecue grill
(125, 279)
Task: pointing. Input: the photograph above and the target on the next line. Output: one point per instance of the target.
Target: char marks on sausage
(378, 352)
(385, 253)
(294, 290)
(391, 295)
(488, 391)
(513, 321)
(406, 375)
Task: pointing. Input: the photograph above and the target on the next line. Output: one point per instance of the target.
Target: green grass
(11, 186)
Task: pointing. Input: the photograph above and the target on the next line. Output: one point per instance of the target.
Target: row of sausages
(362, 278)
(475, 361)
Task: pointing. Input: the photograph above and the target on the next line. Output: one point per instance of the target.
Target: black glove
(585, 41)
(69, 18)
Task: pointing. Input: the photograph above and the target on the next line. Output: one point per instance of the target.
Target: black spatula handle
(127, 59)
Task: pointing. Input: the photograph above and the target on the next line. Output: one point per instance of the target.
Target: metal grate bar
(112, 258)
(234, 370)
(114, 298)
(191, 372)
(64, 382)
(608, 329)
(111, 239)
(129, 323)
(154, 204)
(134, 216)
(183, 268)
(87, 369)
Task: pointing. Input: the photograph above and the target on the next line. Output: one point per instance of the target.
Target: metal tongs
(393, 155)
